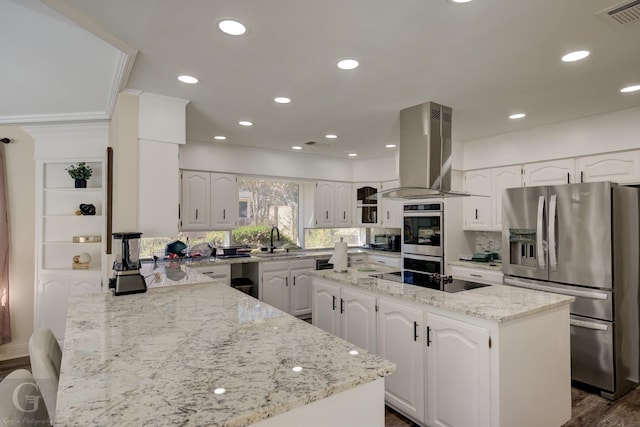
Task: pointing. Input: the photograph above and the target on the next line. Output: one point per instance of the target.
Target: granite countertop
(496, 302)
(495, 265)
(156, 359)
(170, 274)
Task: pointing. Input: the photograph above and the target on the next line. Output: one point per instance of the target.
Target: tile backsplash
(488, 241)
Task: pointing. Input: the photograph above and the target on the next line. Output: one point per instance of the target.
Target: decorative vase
(81, 183)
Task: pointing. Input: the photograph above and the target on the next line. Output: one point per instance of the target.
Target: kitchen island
(490, 356)
(206, 354)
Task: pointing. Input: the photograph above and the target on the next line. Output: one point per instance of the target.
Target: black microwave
(387, 242)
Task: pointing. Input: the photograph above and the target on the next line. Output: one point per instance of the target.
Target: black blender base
(128, 284)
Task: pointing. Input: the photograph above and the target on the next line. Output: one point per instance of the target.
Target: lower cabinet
(286, 285)
(458, 374)
(400, 339)
(54, 291)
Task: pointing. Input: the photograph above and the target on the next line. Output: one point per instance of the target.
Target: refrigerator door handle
(556, 290)
(540, 217)
(588, 325)
(553, 258)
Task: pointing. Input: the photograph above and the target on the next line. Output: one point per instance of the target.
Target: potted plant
(81, 172)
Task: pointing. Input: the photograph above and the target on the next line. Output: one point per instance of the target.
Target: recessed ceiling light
(232, 27)
(220, 137)
(390, 146)
(188, 79)
(517, 116)
(348, 64)
(297, 368)
(219, 390)
(331, 136)
(353, 154)
(282, 100)
(630, 89)
(296, 147)
(459, 1)
(245, 123)
(575, 56)
(353, 352)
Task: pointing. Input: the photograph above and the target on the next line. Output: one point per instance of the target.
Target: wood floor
(588, 408)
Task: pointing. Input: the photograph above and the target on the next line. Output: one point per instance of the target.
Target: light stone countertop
(493, 266)
(496, 302)
(156, 358)
(170, 274)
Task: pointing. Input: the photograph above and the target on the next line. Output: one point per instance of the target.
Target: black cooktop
(430, 280)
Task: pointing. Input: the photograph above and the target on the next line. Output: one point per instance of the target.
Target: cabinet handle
(568, 178)
(341, 305)
(415, 331)
(294, 280)
(344, 215)
(326, 215)
(334, 302)
(196, 213)
(475, 275)
(286, 281)
(224, 214)
(428, 336)
(581, 176)
(476, 213)
(387, 215)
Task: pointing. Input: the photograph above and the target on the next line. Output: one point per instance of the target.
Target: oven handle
(557, 290)
(588, 325)
(422, 257)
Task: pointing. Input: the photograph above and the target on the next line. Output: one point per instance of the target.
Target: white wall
(20, 178)
(255, 161)
(593, 135)
(383, 169)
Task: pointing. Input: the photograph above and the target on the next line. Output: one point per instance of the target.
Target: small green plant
(80, 171)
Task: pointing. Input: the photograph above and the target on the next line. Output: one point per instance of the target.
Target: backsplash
(490, 241)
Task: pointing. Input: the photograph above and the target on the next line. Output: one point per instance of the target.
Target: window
(319, 238)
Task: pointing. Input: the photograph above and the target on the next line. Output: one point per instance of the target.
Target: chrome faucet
(272, 247)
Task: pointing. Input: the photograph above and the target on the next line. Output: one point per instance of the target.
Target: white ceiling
(485, 59)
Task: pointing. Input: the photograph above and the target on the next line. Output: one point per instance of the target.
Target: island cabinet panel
(325, 301)
(358, 312)
(401, 340)
(458, 369)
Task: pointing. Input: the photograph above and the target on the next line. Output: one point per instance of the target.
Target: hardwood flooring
(588, 408)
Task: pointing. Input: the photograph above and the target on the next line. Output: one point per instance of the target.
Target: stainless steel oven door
(422, 263)
(423, 233)
(592, 352)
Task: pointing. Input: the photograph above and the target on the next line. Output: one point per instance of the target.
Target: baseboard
(13, 351)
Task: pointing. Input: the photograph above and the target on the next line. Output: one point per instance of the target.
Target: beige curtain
(5, 324)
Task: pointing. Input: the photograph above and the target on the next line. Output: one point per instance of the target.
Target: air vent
(621, 14)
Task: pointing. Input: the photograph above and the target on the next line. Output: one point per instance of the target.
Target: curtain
(5, 324)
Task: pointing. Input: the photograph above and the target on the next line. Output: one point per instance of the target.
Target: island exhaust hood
(425, 154)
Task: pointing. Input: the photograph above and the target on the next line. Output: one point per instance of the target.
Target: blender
(126, 265)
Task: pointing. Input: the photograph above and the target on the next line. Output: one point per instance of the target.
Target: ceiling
(486, 59)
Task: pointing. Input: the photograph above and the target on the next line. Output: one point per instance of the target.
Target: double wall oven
(422, 242)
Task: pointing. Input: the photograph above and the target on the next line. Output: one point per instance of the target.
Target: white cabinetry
(622, 167)
(286, 285)
(400, 340)
(391, 210)
(477, 210)
(555, 172)
(346, 313)
(458, 368)
(479, 275)
(332, 206)
(367, 208)
(58, 225)
(209, 201)
(216, 272)
(384, 260)
(501, 179)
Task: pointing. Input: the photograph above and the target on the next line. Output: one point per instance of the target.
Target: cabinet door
(477, 210)
(275, 289)
(400, 339)
(224, 201)
(367, 210)
(195, 207)
(458, 373)
(324, 206)
(343, 204)
(82, 285)
(503, 178)
(53, 296)
(300, 292)
(358, 319)
(555, 172)
(391, 210)
(325, 301)
(616, 167)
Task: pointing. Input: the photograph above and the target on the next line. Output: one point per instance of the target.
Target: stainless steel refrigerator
(582, 240)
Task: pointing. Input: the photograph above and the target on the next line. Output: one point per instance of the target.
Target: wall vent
(624, 13)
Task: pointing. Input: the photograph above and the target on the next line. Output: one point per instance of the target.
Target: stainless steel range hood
(425, 154)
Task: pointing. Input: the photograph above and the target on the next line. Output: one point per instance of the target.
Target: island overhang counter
(207, 354)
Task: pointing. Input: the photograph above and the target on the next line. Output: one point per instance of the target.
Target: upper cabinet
(391, 210)
(367, 208)
(331, 205)
(501, 179)
(209, 201)
(555, 172)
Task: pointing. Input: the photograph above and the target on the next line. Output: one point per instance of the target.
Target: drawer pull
(475, 275)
